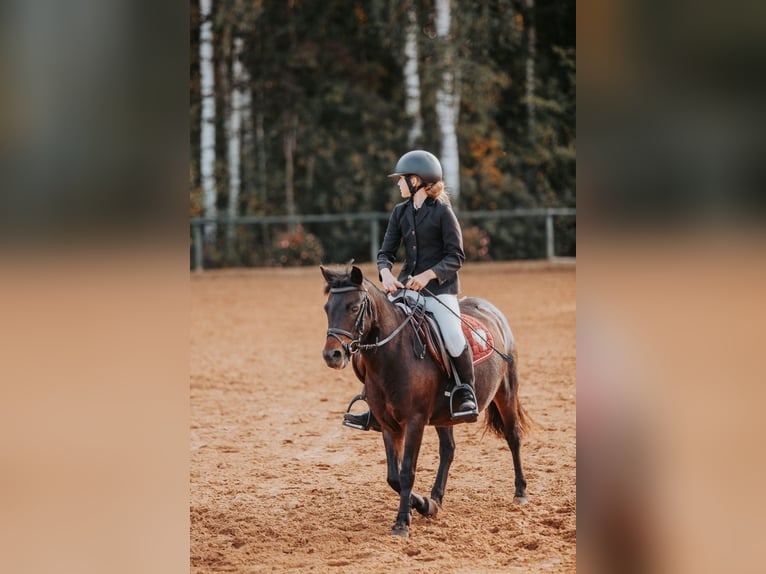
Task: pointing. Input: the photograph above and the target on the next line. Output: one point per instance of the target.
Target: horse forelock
(337, 279)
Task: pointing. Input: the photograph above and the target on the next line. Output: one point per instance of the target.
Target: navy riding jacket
(432, 240)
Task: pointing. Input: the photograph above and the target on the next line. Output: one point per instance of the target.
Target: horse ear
(356, 275)
(325, 273)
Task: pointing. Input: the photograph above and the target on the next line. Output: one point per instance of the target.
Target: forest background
(302, 107)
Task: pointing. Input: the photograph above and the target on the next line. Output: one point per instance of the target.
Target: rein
(355, 345)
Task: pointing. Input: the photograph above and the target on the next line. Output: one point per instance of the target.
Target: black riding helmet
(421, 163)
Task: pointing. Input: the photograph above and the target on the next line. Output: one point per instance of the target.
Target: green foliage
(337, 66)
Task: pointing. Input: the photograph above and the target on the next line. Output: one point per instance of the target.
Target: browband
(346, 289)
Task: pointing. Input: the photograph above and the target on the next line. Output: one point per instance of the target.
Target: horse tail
(494, 421)
(522, 418)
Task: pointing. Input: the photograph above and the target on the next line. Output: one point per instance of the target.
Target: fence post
(197, 233)
(374, 242)
(549, 235)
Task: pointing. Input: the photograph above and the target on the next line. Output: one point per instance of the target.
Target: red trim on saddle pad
(480, 349)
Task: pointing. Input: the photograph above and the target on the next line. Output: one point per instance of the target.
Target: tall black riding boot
(464, 399)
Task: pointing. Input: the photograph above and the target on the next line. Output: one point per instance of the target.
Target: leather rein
(354, 344)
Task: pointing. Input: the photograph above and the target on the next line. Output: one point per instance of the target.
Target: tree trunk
(248, 146)
(412, 78)
(310, 162)
(530, 67)
(448, 102)
(290, 128)
(289, 131)
(260, 152)
(235, 145)
(207, 120)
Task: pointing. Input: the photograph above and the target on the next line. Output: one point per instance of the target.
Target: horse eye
(355, 308)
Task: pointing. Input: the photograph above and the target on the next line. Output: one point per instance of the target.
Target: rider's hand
(420, 280)
(390, 283)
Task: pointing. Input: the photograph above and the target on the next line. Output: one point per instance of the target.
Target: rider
(433, 243)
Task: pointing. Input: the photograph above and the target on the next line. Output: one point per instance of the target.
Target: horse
(405, 393)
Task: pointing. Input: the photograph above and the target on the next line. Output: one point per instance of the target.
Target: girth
(428, 337)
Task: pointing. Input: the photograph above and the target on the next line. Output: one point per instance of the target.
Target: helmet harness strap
(412, 188)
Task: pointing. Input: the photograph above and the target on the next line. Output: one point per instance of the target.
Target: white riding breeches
(447, 317)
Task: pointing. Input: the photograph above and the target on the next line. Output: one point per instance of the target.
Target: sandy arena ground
(279, 485)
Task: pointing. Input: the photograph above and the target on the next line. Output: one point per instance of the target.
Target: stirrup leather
(470, 415)
(367, 415)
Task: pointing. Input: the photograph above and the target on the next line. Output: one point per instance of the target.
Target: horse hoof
(432, 507)
(520, 500)
(401, 530)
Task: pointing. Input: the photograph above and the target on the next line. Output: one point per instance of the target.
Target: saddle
(428, 335)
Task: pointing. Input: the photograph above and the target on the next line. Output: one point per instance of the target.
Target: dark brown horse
(406, 393)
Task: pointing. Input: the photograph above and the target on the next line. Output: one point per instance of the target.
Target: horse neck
(387, 316)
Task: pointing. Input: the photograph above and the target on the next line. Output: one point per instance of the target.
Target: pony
(406, 393)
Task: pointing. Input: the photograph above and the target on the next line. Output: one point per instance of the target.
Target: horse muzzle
(335, 357)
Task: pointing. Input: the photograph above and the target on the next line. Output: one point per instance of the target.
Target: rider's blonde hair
(437, 191)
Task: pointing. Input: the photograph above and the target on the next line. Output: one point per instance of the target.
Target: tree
(530, 66)
(448, 100)
(207, 120)
(412, 77)
(235, 137)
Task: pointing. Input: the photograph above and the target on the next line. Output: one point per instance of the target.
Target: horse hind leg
(431, 506)
(507, 418)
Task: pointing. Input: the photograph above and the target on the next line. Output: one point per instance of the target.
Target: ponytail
(436, 191)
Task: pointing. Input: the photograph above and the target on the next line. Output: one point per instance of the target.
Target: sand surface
(277, 484)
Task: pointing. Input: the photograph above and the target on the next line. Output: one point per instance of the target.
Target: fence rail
(374, 217)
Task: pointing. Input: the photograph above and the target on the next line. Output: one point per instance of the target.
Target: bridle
(354, 344)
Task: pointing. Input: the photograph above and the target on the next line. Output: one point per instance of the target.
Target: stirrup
(469, 415)
(352, 424)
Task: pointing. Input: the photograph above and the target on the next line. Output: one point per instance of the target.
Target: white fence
(374, 218)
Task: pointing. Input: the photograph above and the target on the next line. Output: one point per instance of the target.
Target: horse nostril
(333, 355)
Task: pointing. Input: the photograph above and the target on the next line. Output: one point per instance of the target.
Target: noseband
(352, 346)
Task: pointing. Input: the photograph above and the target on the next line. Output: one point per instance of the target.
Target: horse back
(491, 317)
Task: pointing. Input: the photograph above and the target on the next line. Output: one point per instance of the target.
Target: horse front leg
(412, 441)
(393, 444)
